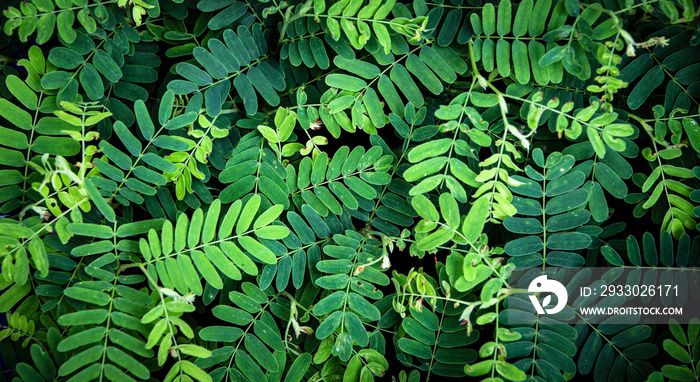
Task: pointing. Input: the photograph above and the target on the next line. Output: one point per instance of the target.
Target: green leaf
(651, 80)
(263, 86)
(257, 250)
(232, 315)
(227, 16)
(221, 262)
(476, 219)
(298, 369)
(14, 139)
(85, 229)
(572, 7)
(220, 333)
(329, 304)
(425, 168)
(126, 361)
(207, 270)
(598, 205)
(39, 257)
(106, 66)
(489, 19)
(415, 348)
(676, 351)
(360, 305)
(611, 256)
(13, 295)
(86, 317)
(86, 21)
(81, 338)
(566, 202)
(610, 181)
(132, 144)
(91, 82)
(426, 185)
(425, 208)
(400, 76)
(565, 183)
(193, 74)
(194, 371)
(436, 239)
(81, 360)
(260, 353)
(64, 24)
(429, 150)
(449, 210)
(245, 302)
(140, 227)
(194, 350)
(553, 55)
(213, 66)
(180, 87)
(144, 120)
(522, 19)
(678, 332)
(246, 92)
(44, 27)
(418, 331)
(431, 58)
(568, 221)
(356, 329)
(360, 187)
(528, 226)
(87, 295)
(15, 115)
(345, 82)
(65, 58)
(692, 129)
(484, 100)
(341, 103)
(419, 69)
(22, 92)
(568, 241)
(510, 372)
(247, 214)
(329, 325)
(524, 246)
(333, 282)
(504, 18)
(678, 373)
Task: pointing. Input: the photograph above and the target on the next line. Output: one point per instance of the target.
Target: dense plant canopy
(225, 190)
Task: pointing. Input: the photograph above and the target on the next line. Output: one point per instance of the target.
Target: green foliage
(216, 190)
(554, 237)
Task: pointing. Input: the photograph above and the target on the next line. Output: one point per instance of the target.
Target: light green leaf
(476, 219)
(258, 250)
(435, 239)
